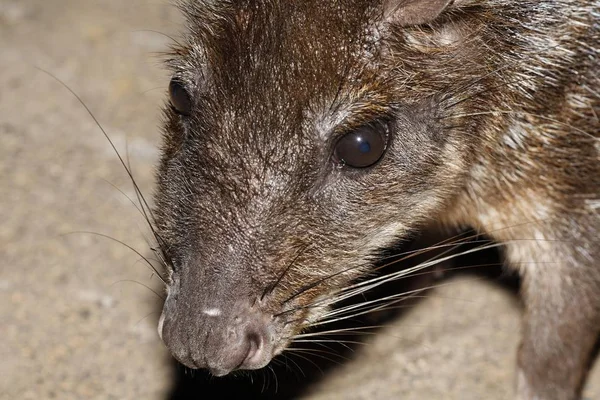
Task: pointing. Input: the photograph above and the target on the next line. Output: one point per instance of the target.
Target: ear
(413, 12)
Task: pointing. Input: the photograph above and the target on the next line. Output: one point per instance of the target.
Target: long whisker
(141, 284)
(103, 132)
(322, 343)
(160, 33)
(159, 240)
(408, 271)
(393, 299)
(358, 330)
(158, 253)
(373, 305)
(397, 297)
(265, 381)
(138, 193)
(272, 287)
(410, 253)
(341, 342)
(364, 286)
(124, 244)
(142, 200)
(318, 353)
(126, 196)
(290, 352)
(275, 376)
(145, 316)
(285, 356)
(325, 344)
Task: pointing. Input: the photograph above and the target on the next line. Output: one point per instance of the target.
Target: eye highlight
(180, 98)
(362, 147)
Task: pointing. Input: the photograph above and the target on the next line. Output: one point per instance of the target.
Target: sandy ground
(76, 321)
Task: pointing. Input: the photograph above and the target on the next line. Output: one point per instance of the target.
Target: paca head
(300, 139)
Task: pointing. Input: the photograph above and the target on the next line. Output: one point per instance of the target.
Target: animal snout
(219, 339)
(243, 347)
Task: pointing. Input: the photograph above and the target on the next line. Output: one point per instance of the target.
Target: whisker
(265, 378)
(142, 200)
(409, 254)
(366, 285)
(124, 244)
(146, 316)
(160, 33)
(292, 353)
(392, 298)
(141, 284)
(341, 331)
(341, 342)
(402, 296)
(380, 280)
(295, 363)
(275, 376)
(322, 344)
(408, 271)
(159, 240)
(126, 196)
(316, 353)
(272, 287)
(101, 129)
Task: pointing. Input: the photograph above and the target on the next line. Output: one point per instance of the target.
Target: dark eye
(180, 98)
(362, 147)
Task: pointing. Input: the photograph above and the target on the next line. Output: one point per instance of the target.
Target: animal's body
(304, 136)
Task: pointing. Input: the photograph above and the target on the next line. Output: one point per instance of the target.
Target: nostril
(255, 345)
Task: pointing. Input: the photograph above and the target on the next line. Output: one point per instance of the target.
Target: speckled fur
(494, 110)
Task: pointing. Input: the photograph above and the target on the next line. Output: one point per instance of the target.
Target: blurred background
(78, 311)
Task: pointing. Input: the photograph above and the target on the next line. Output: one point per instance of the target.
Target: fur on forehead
(291, 56)
(207, 16)
(230, 36)
(242, 31)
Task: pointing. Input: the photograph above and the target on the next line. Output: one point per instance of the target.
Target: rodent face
(258, 211)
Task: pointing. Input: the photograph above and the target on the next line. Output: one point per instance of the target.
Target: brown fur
(494, 111)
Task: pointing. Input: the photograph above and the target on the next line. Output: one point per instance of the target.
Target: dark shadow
(289, 376)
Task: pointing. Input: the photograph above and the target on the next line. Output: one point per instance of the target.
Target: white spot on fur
(515, 136)
(447, 36)
(212, 312)
(326, 123)
(370, 48)
(593, 205)
(385, 236)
